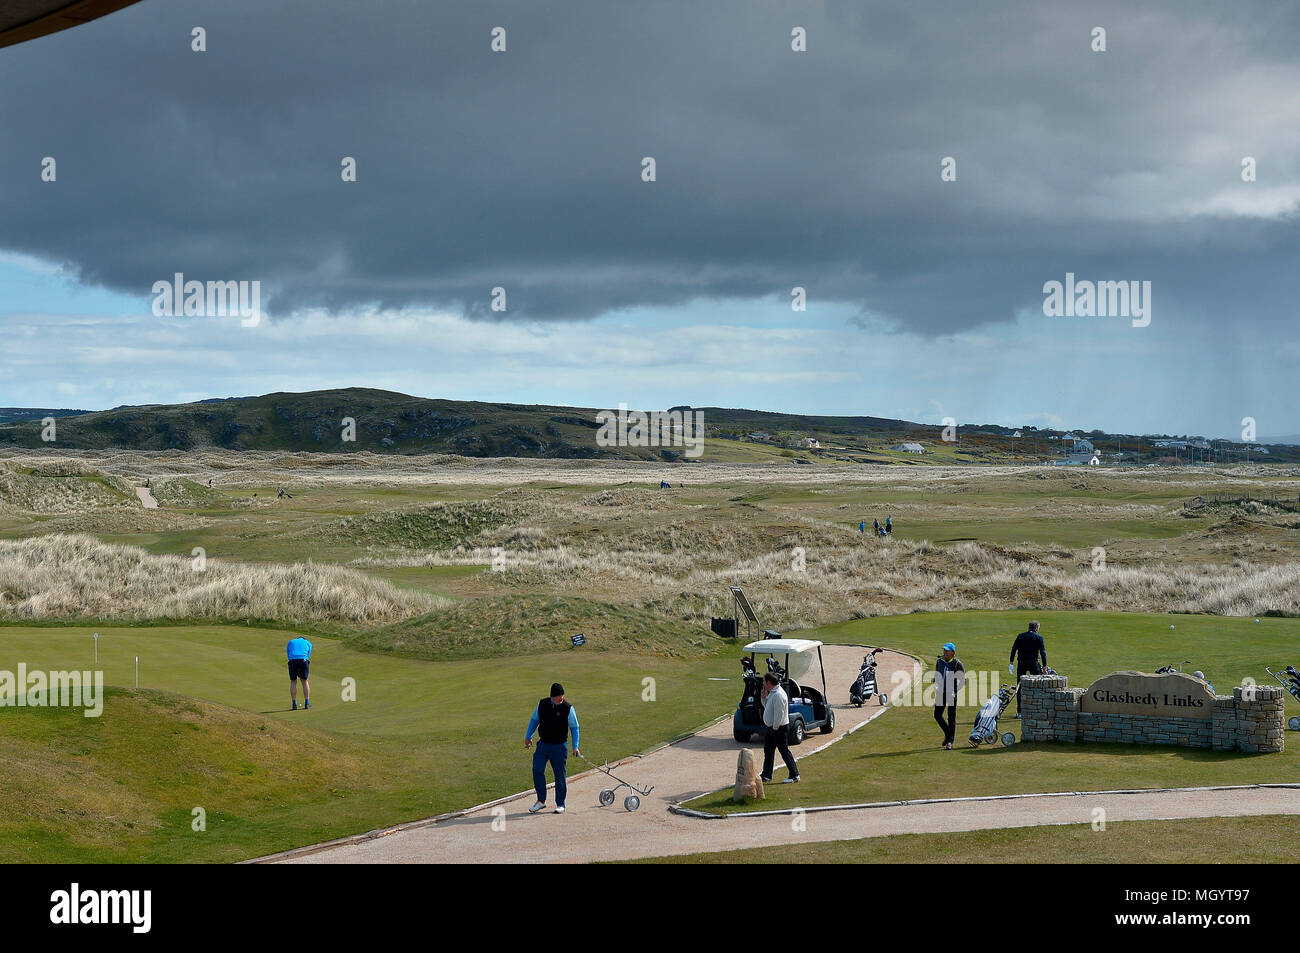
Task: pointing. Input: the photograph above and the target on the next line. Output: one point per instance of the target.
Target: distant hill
(35, 413)
(388, 422)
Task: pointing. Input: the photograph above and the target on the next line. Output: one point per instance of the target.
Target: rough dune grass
(78, 576)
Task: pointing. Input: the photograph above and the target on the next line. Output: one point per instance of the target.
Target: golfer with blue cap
(949, 676)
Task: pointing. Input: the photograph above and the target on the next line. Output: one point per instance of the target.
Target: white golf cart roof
(783, 646)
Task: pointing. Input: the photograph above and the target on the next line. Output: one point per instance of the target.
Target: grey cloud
(775, 168)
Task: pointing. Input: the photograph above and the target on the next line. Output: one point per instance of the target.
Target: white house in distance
(1083, 453)
(908, 447)
(808, 443)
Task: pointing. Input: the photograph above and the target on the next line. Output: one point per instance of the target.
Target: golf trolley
(865, 686)
(632, 801)
(986, 722)
(1292, 684)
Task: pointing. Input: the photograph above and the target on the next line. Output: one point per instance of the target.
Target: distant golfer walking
(553, 720)
(1028, 647)
(776, 717)
(299, 652)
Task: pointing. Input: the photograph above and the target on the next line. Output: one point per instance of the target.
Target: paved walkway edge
(708, 815)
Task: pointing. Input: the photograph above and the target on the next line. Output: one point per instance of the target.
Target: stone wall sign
(1174, 695)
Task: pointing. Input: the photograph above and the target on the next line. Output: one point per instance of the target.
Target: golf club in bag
(865, 685)
(1292, 684)
(751, 699)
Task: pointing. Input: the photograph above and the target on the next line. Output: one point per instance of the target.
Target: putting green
(421, 738)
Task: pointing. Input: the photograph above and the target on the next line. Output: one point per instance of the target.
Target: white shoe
(559, 810)
(537, 807)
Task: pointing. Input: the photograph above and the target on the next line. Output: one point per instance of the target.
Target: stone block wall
(1250, 719)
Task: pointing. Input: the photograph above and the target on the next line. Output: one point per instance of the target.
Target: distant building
(1082, 445)
(761, 436)
(909, 447)
(808, 443)
(1088, 459)
(1016, 434)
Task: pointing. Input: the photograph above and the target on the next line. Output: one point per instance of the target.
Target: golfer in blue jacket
(553, 720)
(299, 651)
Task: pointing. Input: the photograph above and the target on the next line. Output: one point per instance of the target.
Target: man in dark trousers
(776, 718)
(553, 719)
(1028, 648)
(949, 676)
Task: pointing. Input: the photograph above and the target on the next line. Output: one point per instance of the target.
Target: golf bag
(751, 701)
(986, 722)
(865, 686)
(1291, 682)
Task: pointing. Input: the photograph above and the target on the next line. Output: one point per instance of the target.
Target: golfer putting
(299, 652)
(553, 720)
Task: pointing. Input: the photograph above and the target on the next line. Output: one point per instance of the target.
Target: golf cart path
(707, 761)
(146, 497)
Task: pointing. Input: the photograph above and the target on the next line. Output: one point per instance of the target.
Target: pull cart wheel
(630, 803)
(1008, 739)
(884, 699)
(606, 798)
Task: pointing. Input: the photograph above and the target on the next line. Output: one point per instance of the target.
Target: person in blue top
(299, 651)
(553, 719)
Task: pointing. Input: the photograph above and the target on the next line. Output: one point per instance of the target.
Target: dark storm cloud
(775, 169)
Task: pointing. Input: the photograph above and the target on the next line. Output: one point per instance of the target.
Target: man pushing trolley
(553, 720)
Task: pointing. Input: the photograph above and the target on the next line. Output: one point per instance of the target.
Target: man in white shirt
(776, 716)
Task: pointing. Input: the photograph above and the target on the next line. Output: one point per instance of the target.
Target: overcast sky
(523, 169)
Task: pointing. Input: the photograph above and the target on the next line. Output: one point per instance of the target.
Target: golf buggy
(789, 660)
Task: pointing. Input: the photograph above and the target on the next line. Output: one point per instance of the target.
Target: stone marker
(748, 783)
(1172, 695)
